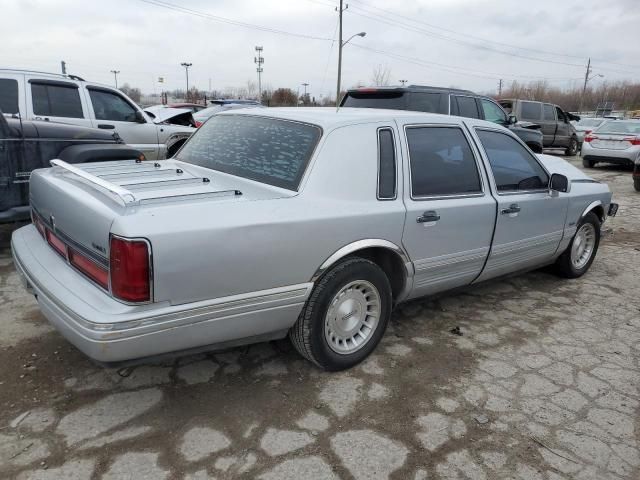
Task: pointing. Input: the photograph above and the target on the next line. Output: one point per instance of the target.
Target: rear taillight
(57, 244)
(129, 264)
(38, 223)
(95, 272)
(589, 138)
(633, 140)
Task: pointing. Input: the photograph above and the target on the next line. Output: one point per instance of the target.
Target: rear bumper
(628, 156)
(111, 332)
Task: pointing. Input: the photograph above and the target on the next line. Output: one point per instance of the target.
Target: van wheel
(572, 149)
(636, 184)
(579, 255)
(588, 163)
(345, 316)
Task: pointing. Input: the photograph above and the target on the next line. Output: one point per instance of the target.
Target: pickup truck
(555, 123)
(27, 145)
(304, 222)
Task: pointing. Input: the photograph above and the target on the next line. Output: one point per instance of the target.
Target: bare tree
(381, 74)
(252, 89)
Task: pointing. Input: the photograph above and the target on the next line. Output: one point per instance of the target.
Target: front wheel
(345, 316)
(588, 163)
(572, 149)
(579, 255)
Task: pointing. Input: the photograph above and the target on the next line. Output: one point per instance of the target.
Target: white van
(70, 99)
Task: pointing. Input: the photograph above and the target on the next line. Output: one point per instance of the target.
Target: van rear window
(531, 110)
(391, 100)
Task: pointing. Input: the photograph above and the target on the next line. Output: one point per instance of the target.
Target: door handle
(106, 126)
(513, 208)
(429, 216)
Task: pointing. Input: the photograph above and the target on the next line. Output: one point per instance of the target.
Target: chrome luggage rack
(127, 197)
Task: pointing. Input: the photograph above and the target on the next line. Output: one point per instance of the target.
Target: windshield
(589, 122)
(267, 150)
(620, 127)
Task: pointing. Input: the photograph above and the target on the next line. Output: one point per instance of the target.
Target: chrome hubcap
(352, 317)
(583, 245)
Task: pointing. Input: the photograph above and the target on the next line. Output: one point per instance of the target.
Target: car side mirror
(139, 117)
(512, 120)
(559, 183)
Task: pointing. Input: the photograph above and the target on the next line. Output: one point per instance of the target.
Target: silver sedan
(615, 141)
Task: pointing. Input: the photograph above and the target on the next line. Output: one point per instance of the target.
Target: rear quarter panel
(205, 250)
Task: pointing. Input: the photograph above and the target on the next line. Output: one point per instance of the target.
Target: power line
(367, 8)
(217, 18)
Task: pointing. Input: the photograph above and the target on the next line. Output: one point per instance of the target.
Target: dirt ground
(543, 383)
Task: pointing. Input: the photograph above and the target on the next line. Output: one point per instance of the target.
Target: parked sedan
(586, 126)
(300, 222)
(615, 141)
(204, 115)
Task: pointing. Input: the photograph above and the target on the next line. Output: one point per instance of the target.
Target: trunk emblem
(52, 220)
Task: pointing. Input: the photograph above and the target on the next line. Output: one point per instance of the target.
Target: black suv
(447, 101)
(27, 145)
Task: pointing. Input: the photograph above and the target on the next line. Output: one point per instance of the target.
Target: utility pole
(584, 88)
(403, 82)
(500, 83)
(186, 69)
(259, 60)
(115, 76)
(63, 65)
(340, 10)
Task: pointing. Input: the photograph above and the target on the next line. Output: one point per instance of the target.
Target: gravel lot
(543, 384)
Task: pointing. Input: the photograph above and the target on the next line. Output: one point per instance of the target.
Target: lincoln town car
(307, 223)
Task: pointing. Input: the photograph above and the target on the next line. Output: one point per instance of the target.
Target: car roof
(329, 117)
(409, 88)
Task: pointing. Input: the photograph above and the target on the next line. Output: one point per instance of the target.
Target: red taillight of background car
(632, 140)
(198, 124)
(95, 272)
(589, 138)
(57, 244)
(129, 265)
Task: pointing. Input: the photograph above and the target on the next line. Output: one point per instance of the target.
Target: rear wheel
(345, 316)
(636, 184)
(572, 149)
(579, 255)
(588, 163)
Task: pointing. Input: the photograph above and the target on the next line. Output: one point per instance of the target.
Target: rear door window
(513, 167)
(467, 107)
(9, 95)
(549, 114)
(56, 100)
(111, 106)
(531, 110)
(442, 162)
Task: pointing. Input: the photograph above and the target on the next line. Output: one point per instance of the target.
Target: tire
(636, 184)
(588, 163)
(569, 267)
(312, 334)
(572, 149)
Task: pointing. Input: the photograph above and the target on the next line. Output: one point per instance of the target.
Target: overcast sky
(431, 42)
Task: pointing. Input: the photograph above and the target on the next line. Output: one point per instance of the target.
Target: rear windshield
(617, 126)
(391, 100)
(268, 150)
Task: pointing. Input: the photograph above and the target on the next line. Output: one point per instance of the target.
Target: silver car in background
(304, 222)
(615, 141)
(586, 126)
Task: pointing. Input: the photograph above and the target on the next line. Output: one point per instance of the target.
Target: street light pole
(186, 69)
(115, 76)
(339, 52)
(305, 85)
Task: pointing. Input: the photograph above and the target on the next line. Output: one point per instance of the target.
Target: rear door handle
(429, 216)
(513, 208)
(106, 126)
